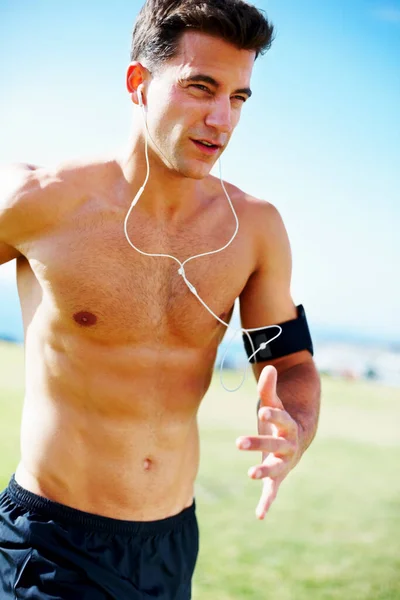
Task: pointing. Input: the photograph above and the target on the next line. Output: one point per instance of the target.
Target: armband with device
(295, 336)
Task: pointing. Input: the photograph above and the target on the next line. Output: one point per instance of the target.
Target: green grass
(333, 532)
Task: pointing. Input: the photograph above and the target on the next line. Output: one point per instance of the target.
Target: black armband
(295, 336)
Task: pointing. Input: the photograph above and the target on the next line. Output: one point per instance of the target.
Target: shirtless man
(119, 352)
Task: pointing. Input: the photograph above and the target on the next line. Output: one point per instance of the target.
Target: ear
(136, 76)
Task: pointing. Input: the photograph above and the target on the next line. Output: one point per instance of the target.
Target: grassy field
(334, 531)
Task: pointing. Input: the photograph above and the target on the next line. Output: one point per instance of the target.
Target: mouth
(207, 147)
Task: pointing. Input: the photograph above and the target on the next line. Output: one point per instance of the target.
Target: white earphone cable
(182, 272)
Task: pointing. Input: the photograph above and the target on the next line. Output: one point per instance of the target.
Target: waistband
(72, 516)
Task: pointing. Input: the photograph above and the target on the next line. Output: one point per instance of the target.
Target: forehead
(203, 53)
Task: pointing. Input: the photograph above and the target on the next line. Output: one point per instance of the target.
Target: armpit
(7, 253)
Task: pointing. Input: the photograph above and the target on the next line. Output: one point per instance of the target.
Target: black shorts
(49, 551)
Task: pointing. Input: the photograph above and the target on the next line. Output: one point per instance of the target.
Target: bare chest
(105, 289)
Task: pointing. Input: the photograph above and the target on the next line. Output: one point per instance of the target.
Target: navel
(86, 319)
(147, 464)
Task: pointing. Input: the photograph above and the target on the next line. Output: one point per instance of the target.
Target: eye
(242, 99)
(201, 87)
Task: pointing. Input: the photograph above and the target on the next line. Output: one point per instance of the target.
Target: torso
(119, 353)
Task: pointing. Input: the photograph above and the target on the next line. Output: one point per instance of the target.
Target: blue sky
(320, 138)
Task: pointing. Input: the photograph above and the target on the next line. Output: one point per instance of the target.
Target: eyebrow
(210, 80)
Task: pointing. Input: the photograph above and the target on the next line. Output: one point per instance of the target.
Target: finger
(273, 469)
(280, 418)
(268, 495)
(266, 387)
(264, 443)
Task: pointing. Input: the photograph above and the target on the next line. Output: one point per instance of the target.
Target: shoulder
(20, 187)
(21, 181)
(259, 218)
(28, 177)
(261, 223)
(26, 194)
(252, 208)
(16, 180)
(33, 197)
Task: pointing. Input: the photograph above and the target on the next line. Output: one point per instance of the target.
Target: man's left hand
(278, 440)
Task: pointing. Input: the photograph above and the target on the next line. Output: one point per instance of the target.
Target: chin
(195, 171)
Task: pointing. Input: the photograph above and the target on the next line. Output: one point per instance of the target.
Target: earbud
(140, 97)
(181, 269)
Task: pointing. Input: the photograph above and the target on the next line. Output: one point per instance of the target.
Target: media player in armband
(295, 336)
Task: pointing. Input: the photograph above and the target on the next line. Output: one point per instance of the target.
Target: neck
(167, 193)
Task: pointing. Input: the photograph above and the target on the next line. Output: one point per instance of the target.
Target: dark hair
(161, 24)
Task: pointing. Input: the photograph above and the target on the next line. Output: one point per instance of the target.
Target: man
(119, 352)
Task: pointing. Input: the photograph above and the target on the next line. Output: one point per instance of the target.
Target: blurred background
(320, 138)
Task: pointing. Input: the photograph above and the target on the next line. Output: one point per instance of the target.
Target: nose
(219, 115)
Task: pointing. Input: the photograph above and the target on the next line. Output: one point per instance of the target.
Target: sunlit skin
(119, 354)
(194, 98)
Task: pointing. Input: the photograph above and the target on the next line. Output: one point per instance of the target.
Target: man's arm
(289, 390)
(7, 253)
(15, 184)
(26, 206)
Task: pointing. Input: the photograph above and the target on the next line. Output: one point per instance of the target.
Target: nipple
(86, 319)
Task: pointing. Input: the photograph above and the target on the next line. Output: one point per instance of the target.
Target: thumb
(267, 388)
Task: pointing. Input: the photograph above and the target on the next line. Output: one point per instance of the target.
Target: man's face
(195, 100)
